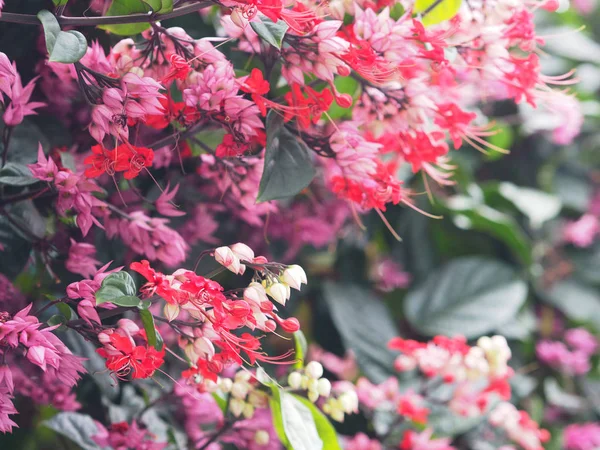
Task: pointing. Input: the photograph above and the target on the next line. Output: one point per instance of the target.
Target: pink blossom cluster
(585, 436)
(32, 347)
(571, 356)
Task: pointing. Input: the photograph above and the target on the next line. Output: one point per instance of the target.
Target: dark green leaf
(469, 214)
(16, 174)
(365, 326)
(301, 347)
(63, 46)
(125, 8)
(114, 287)
(537, 205)
(27, 221)
(295, 421)
(324, 427)
(126, 300)
(77, 427)
(57, 319)
(469, 296)
(65, 310)
(152, 334)
(15, 245)
(288, 168)
(436, 11)
(577, 300)
(269, 31)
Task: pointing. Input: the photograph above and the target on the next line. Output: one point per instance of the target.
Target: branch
(30, 19)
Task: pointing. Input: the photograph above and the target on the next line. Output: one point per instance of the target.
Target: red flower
(256, 85)
(179, 69)
(230, 147)
(133, 159)
(139, 361)
(101, 161)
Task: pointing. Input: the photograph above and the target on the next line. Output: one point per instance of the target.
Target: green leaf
(301, 347)
(537, 205)
(125, 8)
(469, 296)
(63, 46)
(436, 11)
(294, 422)
(60, 2)
(220, 401)
(365, 325)
(65, 310)
(325, 429)
(77, 427)
(288, 168)
(57, 319)
(269, 31)
(16, 174)
(577, 300)
(276, 414)
(152, 334)
(114, 287)
(469, 214)
(126, 300)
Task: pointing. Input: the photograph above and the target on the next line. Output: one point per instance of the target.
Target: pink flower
(362, 442)
(583, 231)
(81, 259)
(150, 237)
(582, 340)
(20, 106)
(585, 436)
(45, 169)
(164, 204)
(424, 441)
(8, 74)
(388, 275)
(123, 435)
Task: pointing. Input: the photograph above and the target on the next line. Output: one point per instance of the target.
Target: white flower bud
(294, 276)
(239, 390)
(242, 251)
(262, 437)
(312, 385)
(225, 385)
(314, 370)
(278, 292)
(171, 311)
(294, 380)
(255, 293)
(248, 411)
(349, 402)
(313, 396)
(337, 415)
(324, 387)
(225, 257)
(236, 406)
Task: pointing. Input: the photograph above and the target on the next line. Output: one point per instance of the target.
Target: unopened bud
(262, 437)
(278, 292)
(324, 387)
(314, 370)
(313, 396)
(294, 380)
(294, 276)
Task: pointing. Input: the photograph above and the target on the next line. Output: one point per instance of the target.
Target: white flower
(314, 370)
(294, 276)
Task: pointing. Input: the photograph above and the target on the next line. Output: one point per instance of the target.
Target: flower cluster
(571, 356)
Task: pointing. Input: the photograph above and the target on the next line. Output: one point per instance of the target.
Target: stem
(30, 19)
(176, 136)
(5, 141)
(431, 8)
(23, 196)
(218, 434)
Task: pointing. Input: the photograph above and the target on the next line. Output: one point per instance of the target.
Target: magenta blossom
(81, 259)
